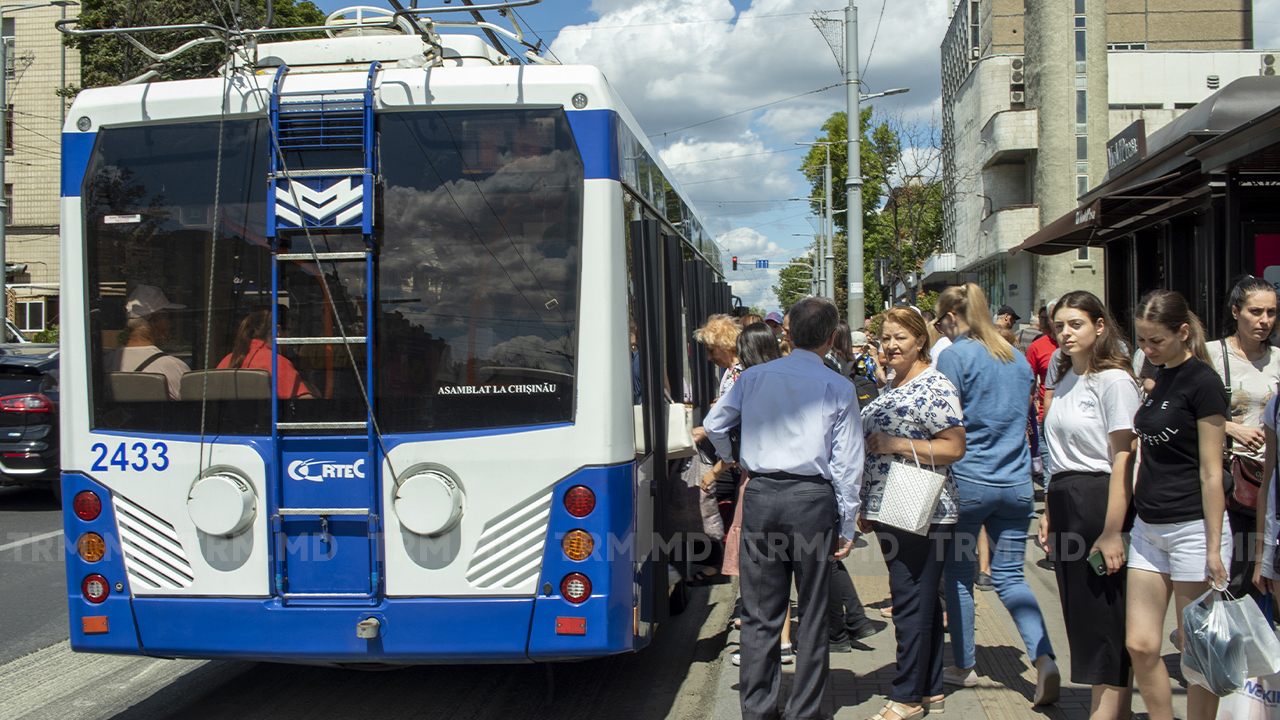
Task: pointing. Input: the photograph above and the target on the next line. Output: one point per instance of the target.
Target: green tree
(111, 60)
(793, 281)
(901, 198)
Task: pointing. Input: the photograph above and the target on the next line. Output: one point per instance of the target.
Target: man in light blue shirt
(802, 447)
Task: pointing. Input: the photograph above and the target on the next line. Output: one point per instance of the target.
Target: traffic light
(735, 262)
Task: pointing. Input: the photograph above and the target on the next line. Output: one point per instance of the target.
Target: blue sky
(680, 62)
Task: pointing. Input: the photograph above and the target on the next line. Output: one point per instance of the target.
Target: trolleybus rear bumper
(411, 630)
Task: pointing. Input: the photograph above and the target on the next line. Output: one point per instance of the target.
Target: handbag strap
(1226, 371)
(917, 457)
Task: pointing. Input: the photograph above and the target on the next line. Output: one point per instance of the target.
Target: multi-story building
(39, 64)
(1031, 92)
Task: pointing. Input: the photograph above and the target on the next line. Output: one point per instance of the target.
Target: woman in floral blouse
(918, 415)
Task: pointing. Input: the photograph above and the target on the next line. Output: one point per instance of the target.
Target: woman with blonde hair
(994, 382)
(720, 337)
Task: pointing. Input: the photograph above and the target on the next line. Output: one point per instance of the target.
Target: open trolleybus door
(651, 319)
(325, 517)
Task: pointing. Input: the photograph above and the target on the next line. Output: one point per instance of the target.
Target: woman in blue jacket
(994, 480)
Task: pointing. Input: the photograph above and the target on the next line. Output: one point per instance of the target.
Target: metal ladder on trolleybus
(325, 524)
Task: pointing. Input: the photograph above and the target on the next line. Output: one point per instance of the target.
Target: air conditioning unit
(1016, 74)
(1269, 64)
(1017, 96)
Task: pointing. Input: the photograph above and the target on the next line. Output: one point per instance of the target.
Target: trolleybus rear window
(476, 268)
(478, 284)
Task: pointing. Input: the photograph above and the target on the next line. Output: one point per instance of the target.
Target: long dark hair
(757, 345)
(1168, 308)
(256, 326)
(1108, 351)
(1245, 287)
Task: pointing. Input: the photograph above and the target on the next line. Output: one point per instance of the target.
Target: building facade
(39, 64)
(1031, 91)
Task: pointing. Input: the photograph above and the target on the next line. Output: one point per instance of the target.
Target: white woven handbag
(911, 494)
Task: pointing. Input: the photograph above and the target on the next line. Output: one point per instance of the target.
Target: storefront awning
(1086, 224)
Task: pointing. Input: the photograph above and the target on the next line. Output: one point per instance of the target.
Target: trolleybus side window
(150, 221)
(479, 269)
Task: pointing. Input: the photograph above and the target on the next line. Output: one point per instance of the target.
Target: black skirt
(1093, 605)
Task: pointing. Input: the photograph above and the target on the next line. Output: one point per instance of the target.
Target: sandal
(935, 705)
(900, 711)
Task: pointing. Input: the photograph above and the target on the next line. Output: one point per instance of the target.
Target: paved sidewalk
(860, 680)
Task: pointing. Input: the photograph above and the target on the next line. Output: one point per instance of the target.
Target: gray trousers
(788, 529)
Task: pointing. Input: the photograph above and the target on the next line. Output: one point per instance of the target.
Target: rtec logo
(318, 470)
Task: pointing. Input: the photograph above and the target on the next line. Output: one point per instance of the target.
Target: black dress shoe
(866, 629)
(842, 645)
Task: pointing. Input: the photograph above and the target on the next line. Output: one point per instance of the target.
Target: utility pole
(856, 308)
(829, 227)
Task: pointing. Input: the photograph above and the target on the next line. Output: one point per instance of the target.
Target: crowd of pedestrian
(1156, 450)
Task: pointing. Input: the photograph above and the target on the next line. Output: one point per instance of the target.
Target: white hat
(148, 299)
(857, 338)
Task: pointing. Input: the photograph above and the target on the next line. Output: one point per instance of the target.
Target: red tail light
(87, 505)
(579, 501)
(575, 587)
(95, 588)
(35, 403)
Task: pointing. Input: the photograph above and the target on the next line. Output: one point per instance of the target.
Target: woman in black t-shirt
(1177, 541)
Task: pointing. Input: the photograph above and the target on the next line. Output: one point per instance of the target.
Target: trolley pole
(853, 177)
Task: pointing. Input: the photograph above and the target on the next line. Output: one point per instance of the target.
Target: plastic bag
(1261, 646)
(1257, 700)
(1213, 655)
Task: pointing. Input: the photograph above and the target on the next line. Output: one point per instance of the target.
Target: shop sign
(1127, 149)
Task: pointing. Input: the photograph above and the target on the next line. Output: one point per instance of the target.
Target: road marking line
(32, 539)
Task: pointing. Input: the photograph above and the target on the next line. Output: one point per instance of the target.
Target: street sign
(762, 264)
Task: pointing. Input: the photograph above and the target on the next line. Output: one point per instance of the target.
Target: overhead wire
(876, 35)
(535, 34)
(750, 109)
(737, 19)
(734, 157)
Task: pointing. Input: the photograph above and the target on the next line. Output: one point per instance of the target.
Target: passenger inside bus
(251, 351)
(147, 310)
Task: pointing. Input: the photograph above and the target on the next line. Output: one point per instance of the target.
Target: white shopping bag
(1257, 699)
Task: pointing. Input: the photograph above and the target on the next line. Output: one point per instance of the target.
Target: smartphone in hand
(1099, 563)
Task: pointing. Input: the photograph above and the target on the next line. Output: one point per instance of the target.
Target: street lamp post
(813, 266)
(4, 133)
(826, 282)
(856, 307)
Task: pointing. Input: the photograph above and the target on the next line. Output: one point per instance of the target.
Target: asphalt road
(33, 582)
(674, 678)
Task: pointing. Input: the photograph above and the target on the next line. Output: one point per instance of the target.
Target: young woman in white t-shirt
(1088, 434)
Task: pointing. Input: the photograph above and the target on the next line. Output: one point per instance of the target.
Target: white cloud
(679, 63)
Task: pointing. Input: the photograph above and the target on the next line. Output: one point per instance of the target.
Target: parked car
(14, 335)
(29, 416)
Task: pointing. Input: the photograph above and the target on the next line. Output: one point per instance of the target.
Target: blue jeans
(1006, 513)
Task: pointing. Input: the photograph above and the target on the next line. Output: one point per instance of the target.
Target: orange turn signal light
(578, 544)
(91, 547)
